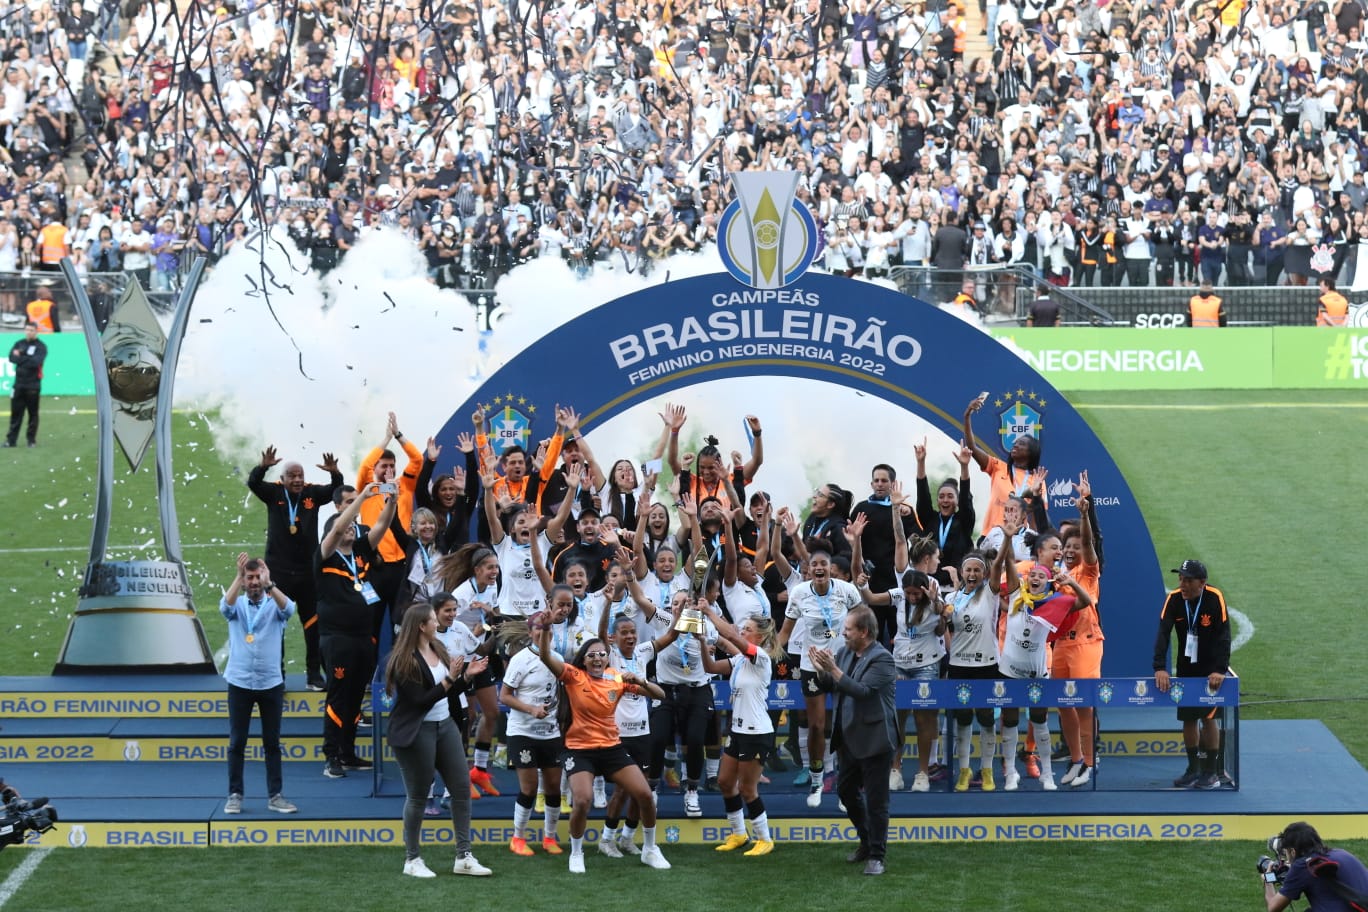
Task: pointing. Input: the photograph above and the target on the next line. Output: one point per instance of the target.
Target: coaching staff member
(861, 678)
(1197, 613)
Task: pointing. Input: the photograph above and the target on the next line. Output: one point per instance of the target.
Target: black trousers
(348, 661)
(299, 586)
(684, 712)
(241, 702)
(23, 400)
(862, 784)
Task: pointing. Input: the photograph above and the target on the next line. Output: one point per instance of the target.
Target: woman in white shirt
(471, 573)
(974, 656)
(534, 735)
(753, 649)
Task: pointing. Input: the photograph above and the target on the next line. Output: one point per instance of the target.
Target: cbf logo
(672, 834)
(1034, 693)
(1020, 416)
(767, 238)
(1176, 691)
(509, 425)
(1105, 691)
(964, 693)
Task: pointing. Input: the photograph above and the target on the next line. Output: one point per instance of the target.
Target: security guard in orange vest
(42, 310)
(1334, 307)
(1205, 308)
(53, 243)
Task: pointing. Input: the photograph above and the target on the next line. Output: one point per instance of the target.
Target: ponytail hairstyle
(841, 501)
(769, 643)
(920, 547)
(459, 566)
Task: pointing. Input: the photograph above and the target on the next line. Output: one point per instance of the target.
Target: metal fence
(1003, 295)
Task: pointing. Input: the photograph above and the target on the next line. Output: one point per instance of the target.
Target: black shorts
(639, 749)
(1197, 713)
(599, 761)
(534, 753)
(811, 687)
(750, 746)
(483, 679)
(789, 666)
(975, 673)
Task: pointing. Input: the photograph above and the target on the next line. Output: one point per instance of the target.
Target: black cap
(590, 511)
(1192, 569)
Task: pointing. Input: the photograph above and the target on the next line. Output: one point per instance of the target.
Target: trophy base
(134, 639)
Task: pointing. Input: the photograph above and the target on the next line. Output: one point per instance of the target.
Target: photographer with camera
(1332, 880)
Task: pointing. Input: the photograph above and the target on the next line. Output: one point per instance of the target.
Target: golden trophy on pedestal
(691, 619)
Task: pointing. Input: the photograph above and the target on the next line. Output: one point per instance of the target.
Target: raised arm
(539, 564)
(541, 637)
(596, 479)
(256, 479)
(235, 587)
(980, 455)
(382, 523)
(674, 417)
(900, 557)
(854, 532)
(1005, 561)
(491, 504)
(1085, 523)
(346, 518)
(729, 556)
(554, 527)
(757, 457)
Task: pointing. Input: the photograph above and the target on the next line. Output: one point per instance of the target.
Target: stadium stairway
(141, 761)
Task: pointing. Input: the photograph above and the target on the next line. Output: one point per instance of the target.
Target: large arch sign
(836, 330)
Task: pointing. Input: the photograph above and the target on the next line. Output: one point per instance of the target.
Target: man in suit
(861, 676)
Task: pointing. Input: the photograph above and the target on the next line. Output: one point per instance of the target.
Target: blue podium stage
(141, 761)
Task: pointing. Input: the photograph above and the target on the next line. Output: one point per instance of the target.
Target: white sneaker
(415, 867)
(610, 848)
(280, 805)
(600, 793)
(814, 798)
(921, 783)
(625, 844)
(1072, 774)
(233, 805)
(1047, 781)
(1011, 781)
(895, 781)
(691, 806)
(652, 858)
(466, 864)
(576, 863)
(1083, 778)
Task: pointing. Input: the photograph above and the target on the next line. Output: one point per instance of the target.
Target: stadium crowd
(1131, 141)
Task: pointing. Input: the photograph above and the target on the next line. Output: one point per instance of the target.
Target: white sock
(565, 784)
(628, 833)
(520, 817)
(576, 845)
(599, 783)
(1042, 736)
(761, 827)
(551, 817)
(648, 837)
(1011, 736)
(737, 819)
(608, 834)
(935, 750)
(963, 746)
(829, 763)
(803, 746)
(711, 767)
(987, 747)
(482, 758)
